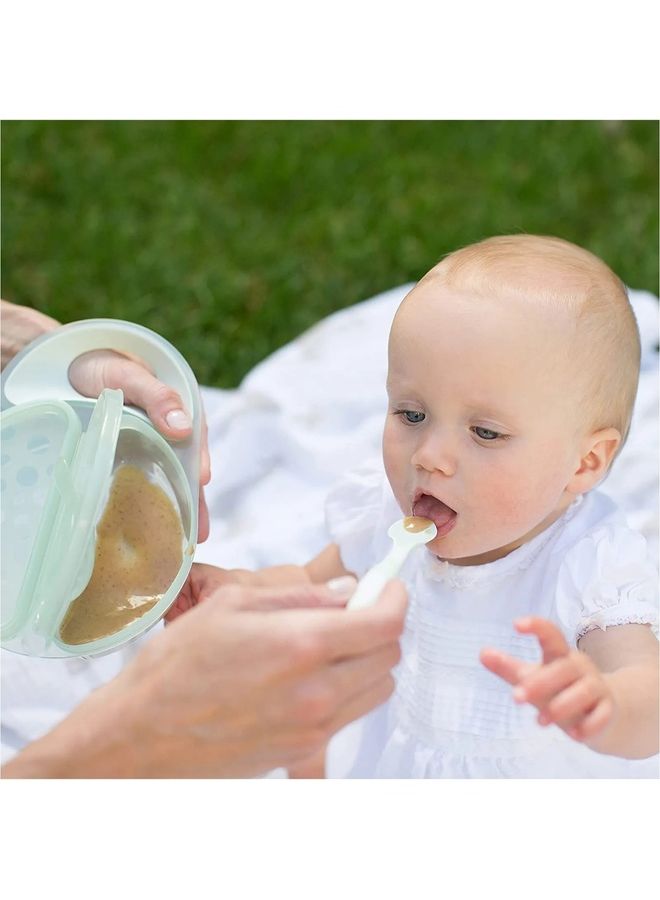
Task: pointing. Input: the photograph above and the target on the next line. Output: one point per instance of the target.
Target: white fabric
(450, 717)
(300, 420)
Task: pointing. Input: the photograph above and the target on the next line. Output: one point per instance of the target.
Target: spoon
(406, 534)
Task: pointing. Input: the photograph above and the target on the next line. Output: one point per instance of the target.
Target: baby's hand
(567, 688)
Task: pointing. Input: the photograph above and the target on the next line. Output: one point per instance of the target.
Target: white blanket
(298, 421)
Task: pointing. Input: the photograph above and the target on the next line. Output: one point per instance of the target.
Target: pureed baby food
(139, 550)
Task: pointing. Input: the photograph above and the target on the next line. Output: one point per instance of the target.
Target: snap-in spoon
(406, 534)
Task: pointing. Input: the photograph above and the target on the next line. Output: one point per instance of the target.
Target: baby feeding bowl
(61, 453)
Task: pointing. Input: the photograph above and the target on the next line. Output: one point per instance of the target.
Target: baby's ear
(598, 452)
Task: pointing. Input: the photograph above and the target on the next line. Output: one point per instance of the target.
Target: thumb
(91, 372)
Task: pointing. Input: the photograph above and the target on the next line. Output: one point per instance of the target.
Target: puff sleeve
(606, 579)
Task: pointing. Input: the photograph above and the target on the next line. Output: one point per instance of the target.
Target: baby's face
(482, 433)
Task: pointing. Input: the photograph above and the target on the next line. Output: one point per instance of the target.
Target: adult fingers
(362, 703)
(315, 637)
(288, 597)
(315, 701)
(180, 606)
(203, 526)
(202, 580)
(343, 679)
(312, 767)
(190, 593)
(345, 633)
(552, 641)
(334, 628)
(204, 459)
(91, 372)
(20, 326)
(510, 668)
(542, 684)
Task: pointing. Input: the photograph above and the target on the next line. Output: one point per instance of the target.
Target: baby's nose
(434, 454)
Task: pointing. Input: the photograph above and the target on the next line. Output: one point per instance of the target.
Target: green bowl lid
(36, 437)
(61, 559)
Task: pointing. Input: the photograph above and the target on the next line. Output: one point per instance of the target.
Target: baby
(513, 369)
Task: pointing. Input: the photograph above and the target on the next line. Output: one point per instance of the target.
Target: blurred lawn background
(230, 238)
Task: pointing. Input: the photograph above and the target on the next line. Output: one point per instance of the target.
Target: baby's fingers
(552, 641)
(546, 682)
(572, 705)
(597, 719)
(511, 669)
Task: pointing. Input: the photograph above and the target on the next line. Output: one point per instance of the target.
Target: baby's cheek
(519, 499)
(501, 501)
(396, 461)
(395, 474)
(393, 446)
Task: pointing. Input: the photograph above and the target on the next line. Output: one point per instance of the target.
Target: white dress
(449, 716)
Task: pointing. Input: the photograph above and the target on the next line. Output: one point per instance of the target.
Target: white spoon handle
(372, 583)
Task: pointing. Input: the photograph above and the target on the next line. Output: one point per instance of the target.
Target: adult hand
(20, 326)
(241, 684)
(91, 372)
(203, 581)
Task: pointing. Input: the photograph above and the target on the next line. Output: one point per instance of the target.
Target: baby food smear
(138, 554)
(415, 524)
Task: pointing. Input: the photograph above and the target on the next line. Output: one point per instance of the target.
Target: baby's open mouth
(438, 512)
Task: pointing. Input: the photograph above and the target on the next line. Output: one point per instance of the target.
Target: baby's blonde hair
(551, 270)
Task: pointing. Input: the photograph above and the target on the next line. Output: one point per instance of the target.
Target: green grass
(229, 238)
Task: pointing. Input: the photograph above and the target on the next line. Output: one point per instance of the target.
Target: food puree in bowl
(138, 554)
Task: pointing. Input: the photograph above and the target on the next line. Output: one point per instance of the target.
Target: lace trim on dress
(466, 577)
(603, 620)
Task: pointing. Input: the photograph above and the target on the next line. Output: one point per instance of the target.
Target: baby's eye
(486, 434)
(411, 416)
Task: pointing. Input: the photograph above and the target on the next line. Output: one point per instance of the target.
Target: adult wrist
(96, 740)
(20, 326)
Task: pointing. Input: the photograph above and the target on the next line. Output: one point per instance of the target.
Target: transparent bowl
(58, 461)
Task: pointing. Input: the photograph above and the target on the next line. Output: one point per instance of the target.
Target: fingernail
(344, 586)
(519, 694)
(178, 419)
